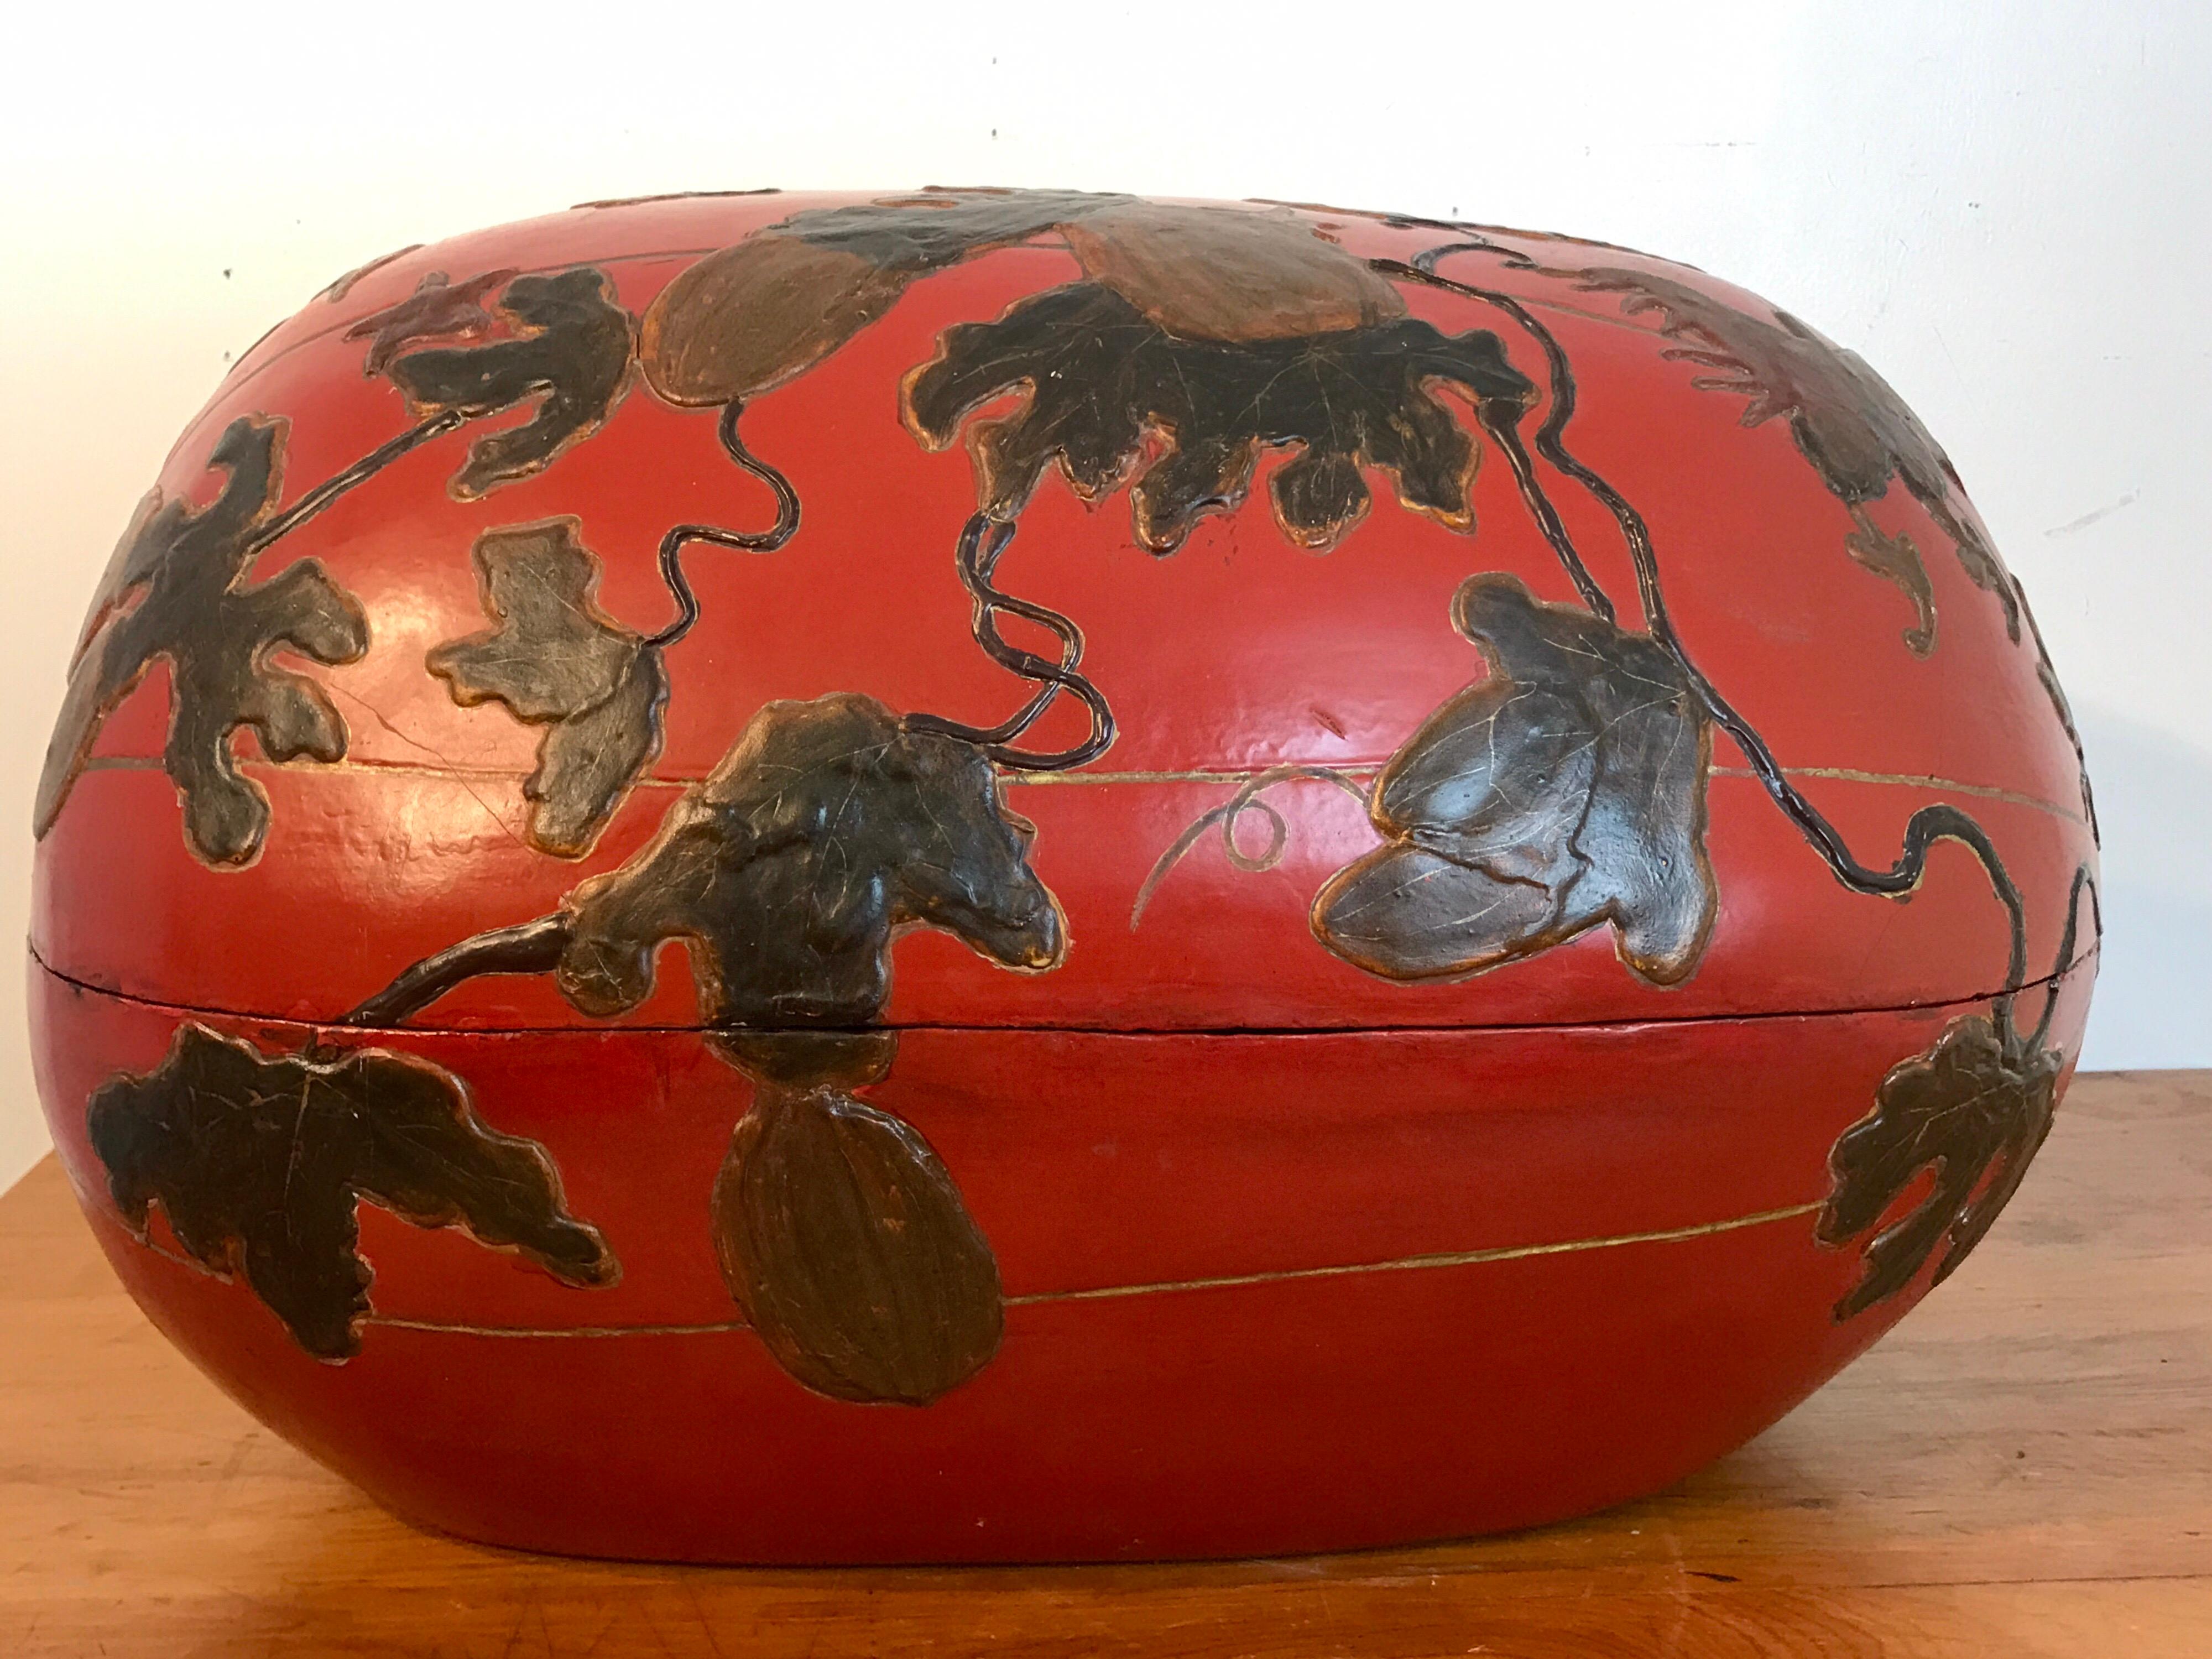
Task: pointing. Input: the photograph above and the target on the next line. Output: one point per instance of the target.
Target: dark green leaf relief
(555, 659)
(931, 230)
(569, 350)
(827, 826)
(1896, 559)
(186, 569)
(258, 1161)
(1971, 1112)
(439, 308)
(759, 311)
(1857, 434)
(1856, 431)
(756, 314)
(1566, 790)
(1100, 384)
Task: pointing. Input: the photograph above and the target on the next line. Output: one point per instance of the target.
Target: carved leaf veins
(1972, 1111)
(258, 1161)
(1566, 790)
(568, 349)
(186, 569)
(757, 314)
(555, 659)
(1100, 380)
(439, 308)
(1847, 421)
(827, 826)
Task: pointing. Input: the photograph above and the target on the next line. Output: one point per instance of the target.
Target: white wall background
(2006, 206)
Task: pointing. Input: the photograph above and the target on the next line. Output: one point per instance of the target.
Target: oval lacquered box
(997, 875)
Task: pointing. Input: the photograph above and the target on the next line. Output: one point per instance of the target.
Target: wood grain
(2023, 1469)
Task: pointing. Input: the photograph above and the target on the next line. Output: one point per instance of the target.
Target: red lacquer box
(1023, 875)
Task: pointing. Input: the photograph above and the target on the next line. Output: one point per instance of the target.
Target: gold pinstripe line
(1194, 774)
(1100, 1293)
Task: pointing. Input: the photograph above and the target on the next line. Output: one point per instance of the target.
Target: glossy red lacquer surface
(1294, 1254)
(1235, 653)
(1280, 1412)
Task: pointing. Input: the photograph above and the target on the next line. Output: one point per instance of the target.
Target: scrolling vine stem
(316, 500)
(792, 965)
(319, 499)
(762, 541)
(1247, 799)
(985, 539)
(981, 542)
(1927, 826)
(537, 946)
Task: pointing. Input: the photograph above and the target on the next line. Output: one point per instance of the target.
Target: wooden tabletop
(2024, 1467)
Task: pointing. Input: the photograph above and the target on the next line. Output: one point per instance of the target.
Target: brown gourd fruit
(842, 1237)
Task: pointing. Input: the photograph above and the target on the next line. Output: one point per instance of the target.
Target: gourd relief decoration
(1563, 792)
